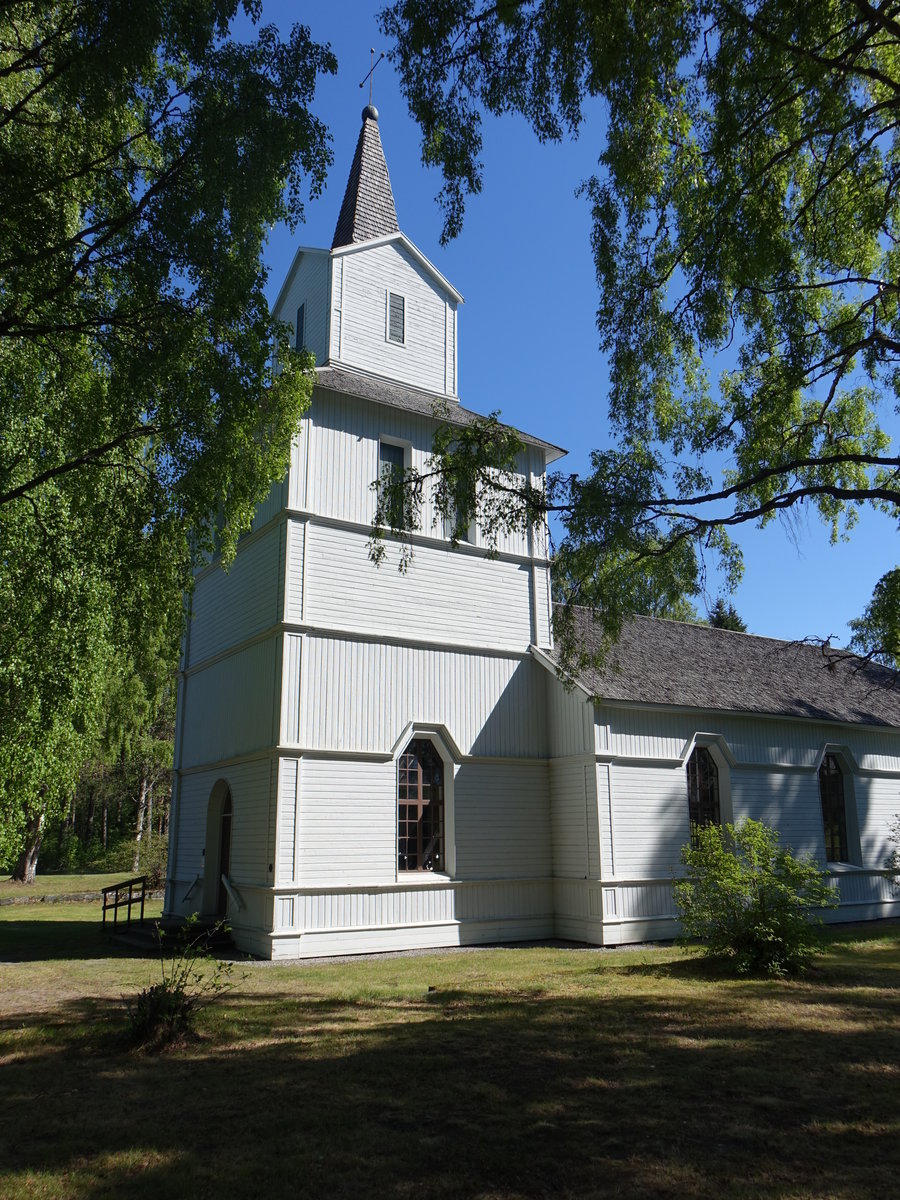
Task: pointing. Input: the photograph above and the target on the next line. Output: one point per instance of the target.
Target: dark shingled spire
(368, 209)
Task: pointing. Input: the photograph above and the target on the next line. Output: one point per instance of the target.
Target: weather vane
(371, 73)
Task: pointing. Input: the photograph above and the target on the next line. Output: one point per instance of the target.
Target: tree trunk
(105, 819)
(141, 815)
(26, 866)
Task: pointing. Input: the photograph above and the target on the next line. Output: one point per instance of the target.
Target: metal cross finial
(371, 73)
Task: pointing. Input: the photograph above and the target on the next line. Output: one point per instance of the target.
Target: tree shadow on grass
(36, 941)
(464, 1096)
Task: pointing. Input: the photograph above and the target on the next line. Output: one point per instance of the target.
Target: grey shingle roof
(696, 666)
(368, 208)
(396, 395)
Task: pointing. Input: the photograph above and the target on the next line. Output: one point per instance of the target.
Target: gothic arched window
(420, 808)
(703, 791)
(834, 809)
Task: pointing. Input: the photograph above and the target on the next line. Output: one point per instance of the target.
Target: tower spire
(368, 208)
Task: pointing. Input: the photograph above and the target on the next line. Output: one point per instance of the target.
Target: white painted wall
(309, 285)
(229, 607)
(232, 705)
(361, 278)
(359, 696)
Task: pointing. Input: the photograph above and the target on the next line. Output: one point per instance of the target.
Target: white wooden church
(369, 761)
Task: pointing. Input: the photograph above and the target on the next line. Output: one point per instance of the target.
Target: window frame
(851, 846)
(702, 754)
(405, 449)
(449, 754)
(413, 778)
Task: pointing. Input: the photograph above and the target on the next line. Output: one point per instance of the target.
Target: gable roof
(678, 665)
(367, 211)
(397, 395)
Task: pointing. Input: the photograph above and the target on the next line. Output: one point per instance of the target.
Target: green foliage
(726, 616)
(143, 157)
(876, 633)
(750, 900)
(190, 979)
(745, 216)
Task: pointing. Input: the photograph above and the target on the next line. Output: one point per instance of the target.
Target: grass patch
(523, 1074)
(62, 885)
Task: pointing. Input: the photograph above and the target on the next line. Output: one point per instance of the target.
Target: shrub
(750, 900)
(163, 1013)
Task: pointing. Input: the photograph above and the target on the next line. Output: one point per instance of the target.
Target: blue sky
(528, 341)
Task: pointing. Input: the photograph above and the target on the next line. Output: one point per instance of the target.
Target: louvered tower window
(703, 791)
(396, 330)
(300, 337)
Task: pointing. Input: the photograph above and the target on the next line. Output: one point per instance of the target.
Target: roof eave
(413, 249)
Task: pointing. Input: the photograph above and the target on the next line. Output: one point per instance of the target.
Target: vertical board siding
(227, 608)
(606, 834)
(229, 705)
(367, 276)
(442, 594)
(502, 816)
(288, 800)
(570, 720)
(290, 691)
(300, 450)
(489, 705)
(296, 535)
(310, 287)
(571, 825)
(348, 822)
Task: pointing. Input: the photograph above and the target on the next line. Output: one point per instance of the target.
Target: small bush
(163, 1013)
(750, 900)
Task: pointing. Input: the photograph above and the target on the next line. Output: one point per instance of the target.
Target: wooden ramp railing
(128, 894)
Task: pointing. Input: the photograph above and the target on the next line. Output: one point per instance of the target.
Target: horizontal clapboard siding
(231, 705)
(502, 820)
(572, 835)
(645, 733)
(348, 822)
(251, 795)
(229, 607)
(442, 595)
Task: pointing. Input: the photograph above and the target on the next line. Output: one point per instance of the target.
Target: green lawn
(511, 1074)
(60, 885)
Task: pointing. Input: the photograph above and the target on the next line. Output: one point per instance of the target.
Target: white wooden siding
(360, 696)
(443, 595)
(227, 608)
(293, 608)
(502, 815)
(650, 818)
(570, 720)
(309, 286)
(288, 801)
(787, 800)
(574, 816)
(359, 291)
(348, 822)
(300, 459)
(251, 796)
(645, 733)
(230, 705)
